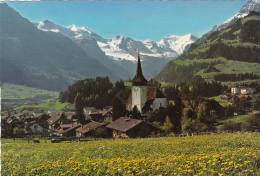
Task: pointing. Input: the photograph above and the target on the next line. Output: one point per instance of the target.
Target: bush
(252, 123)
(231, 126)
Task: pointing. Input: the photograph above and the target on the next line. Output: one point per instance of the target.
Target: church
(144, 96)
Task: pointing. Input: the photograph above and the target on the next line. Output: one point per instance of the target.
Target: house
(35, 128)
(242, 90)
(93, 129)
(6, 129)
(67, 132)
(126, 127)
(247, 90)
(89, 110)
(101, 115)
(42, 119)
(155, 100)
(14, 121)
(57, 118)
(235, 90)
(142, 92)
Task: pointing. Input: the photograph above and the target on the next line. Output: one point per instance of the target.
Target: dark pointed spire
(139, 79)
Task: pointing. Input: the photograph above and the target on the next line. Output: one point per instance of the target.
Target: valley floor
(216, 154)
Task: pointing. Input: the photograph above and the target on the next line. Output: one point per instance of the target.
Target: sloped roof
(89, 127)
(124, 124)
(61, 131)
(139, 79)
(55, 116)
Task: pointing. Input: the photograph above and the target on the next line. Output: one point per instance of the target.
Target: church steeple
(139, 79)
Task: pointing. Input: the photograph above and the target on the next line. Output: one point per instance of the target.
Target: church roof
(139, 79)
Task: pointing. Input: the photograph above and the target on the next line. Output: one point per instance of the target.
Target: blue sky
(137, 19)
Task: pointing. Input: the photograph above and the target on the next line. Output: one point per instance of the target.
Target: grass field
(11, 91)
(216, 154)
(181, 70)
(46, 106)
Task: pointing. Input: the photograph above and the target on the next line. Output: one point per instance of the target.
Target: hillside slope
(229, 54)
(41, 59)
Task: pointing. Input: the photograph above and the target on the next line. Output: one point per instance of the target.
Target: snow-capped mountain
(251, 5)
(124, 48)
(119, 53)
(176, 43)
(167, 48)
(71, 31)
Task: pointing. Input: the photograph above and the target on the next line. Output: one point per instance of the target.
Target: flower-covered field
(218, 154)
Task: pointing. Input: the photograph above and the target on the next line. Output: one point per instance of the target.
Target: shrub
(231, 126)
(252, 123)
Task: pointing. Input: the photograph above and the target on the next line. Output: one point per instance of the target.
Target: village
(144, 99)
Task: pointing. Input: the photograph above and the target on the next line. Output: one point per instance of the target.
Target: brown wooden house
(67, 132)
(57, 118)
(93, 129)
(126, 127)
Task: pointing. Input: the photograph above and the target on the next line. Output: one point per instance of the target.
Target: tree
(191, 96)
(94, 92)
(136, 113)
(252, 123)
(175, 113)
(119, 108)
(79, 106)
(167, 125)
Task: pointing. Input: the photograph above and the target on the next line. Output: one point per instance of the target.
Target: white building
(242, 90)
(235, 90)
(247, 91)
(144, 95)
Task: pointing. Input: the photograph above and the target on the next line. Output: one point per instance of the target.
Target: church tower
(139, 87)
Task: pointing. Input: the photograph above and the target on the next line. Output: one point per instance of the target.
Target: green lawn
(11, 91)
(46, 106)
(222, 102)
(216, 154)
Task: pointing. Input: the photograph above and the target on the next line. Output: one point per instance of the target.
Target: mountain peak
(75, 28)
(251, 5)
(48, 25)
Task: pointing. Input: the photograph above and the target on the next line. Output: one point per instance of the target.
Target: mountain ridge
(123, 47)
(41, 59)
(230, 53)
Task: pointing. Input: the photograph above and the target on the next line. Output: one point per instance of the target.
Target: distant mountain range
(121, 47)
(50, 56)
(228, 53)
(121, 51)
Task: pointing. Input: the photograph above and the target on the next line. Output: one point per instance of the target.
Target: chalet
(67, 132)
(235, 90)
(89, 110)
(93, 129)
(125, 127)
(42, 119)
(242, 90)
(101, 115)
(155, 100)
(14, 121)
(247, 91)
(57, 118)
(35, 128)
(6, 129)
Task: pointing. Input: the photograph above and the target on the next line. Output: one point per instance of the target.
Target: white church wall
(139, 96)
